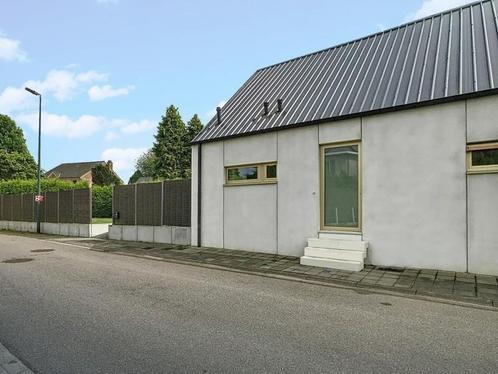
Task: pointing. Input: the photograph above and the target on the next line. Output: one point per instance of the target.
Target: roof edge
(427, 103)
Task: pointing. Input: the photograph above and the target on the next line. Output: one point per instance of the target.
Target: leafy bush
(30, 185)
(101, 201)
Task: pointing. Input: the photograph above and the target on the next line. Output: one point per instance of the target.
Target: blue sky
(109, 68)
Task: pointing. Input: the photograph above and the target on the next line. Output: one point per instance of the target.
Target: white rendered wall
(414, 190)
(341, 131)
(482, 119)
(298, 189)
(212, 195)
(250, 212)
(251, 218)
(483, 223)
(482, 125)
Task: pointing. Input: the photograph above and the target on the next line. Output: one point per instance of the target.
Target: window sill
(249, 184)
(484, 171)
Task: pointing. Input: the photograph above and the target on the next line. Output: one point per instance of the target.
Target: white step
(340, 236)
(351, 245)
(332, 264)
(334, 254)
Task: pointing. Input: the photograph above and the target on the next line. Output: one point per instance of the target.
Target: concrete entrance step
(334, 254)
(332, 263)
(351, 245)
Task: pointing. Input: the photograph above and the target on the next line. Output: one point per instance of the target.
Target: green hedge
(102, 201)
(30, 185)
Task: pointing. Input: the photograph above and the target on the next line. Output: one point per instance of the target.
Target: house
(382, 150)
(77, 171)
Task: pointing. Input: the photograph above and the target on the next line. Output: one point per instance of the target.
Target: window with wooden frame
(341, 186)
(482, 158)
(263, 173)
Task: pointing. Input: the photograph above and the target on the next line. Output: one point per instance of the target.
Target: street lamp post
(38, 202)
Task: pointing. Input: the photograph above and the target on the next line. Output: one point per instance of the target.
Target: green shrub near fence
(47, 185)
(102, 201)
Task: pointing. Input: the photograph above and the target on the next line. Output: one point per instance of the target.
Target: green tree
(144, 166)
(194, 126)
(15, 160)
(135, 176)
(169, 144)
(102, 175)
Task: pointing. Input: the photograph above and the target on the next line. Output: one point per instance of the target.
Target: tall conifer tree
(168, 147)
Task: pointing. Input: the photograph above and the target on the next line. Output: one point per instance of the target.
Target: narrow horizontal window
(251, 174)
(271, 171)
(482, 158)
(240, 174)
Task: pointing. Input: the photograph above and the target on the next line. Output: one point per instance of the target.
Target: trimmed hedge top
(47, 185)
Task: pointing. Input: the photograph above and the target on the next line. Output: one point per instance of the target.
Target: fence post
(112, 203)
(135, 223)
(162, 203)
(72, 206)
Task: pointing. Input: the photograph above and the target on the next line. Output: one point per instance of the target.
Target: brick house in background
(77, 171)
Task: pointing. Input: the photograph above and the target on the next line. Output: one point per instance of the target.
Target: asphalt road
(77, 311)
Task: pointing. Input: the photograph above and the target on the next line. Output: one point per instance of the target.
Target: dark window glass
(240, 174)
(271, 171)
(485, 157)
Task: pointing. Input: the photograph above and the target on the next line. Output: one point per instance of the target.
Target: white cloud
(91, 76)
(212, 112)
(10, 49)
(430, 7)
(107, 1)
(14, 99)
(123, 158)
(137, 127)
(97, 93)
(84, 126)
(111, 135)
(63, 85)
(64, 126)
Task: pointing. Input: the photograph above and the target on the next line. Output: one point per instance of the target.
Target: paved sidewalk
(10, 364)
(480, 289)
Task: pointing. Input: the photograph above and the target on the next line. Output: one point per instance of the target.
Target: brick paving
(474, 288)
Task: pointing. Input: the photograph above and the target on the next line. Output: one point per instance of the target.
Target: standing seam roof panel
(442, 56)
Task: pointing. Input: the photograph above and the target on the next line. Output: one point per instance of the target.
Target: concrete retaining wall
(63, 229)
(151, 234)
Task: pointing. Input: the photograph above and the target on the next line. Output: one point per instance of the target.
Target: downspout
(199, 193)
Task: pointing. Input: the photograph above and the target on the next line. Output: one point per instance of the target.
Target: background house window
(251, 174)
(482, 158)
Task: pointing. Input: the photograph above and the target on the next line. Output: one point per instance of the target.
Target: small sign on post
(39, 198)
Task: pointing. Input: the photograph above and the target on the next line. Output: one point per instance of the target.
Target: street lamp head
(32, 91)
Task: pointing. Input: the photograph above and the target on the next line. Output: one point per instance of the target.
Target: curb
(10, 364)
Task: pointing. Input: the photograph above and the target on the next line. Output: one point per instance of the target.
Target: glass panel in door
(341, 187)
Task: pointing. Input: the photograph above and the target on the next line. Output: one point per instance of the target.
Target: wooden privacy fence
(164, 203)
(72, 206)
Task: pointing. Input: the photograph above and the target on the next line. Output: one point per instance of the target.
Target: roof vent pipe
(266, 108)
(280, 105)
(218, 115)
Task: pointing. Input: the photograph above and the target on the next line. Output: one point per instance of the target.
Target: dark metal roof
(445, 56)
